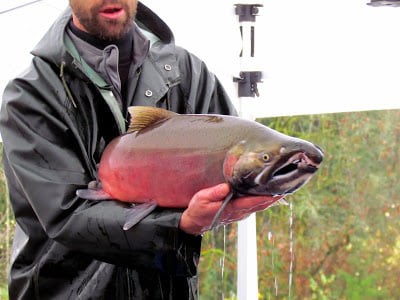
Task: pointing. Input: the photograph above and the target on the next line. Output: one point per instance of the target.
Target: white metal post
(247, 274)
(247, 268)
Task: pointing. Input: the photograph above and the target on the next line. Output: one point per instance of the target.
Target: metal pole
(249, 76)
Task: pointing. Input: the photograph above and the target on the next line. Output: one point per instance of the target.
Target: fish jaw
(288, 177)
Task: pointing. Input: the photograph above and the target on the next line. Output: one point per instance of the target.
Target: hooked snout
(312, 152)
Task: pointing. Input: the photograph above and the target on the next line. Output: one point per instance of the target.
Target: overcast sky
(317, 56)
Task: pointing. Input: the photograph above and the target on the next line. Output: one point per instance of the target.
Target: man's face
(106, 19)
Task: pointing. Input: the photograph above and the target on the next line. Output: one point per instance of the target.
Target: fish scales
(194, 132)
(171, 160)
(170, 177)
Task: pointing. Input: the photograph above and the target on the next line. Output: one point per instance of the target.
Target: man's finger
(215, 193)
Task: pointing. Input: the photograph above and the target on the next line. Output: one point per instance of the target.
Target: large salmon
(165, 158)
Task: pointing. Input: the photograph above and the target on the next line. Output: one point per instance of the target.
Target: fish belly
(170, 178)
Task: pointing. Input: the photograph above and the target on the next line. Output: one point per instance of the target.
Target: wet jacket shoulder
(55, 121)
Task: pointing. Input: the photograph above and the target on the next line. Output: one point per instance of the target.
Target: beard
(102, 28)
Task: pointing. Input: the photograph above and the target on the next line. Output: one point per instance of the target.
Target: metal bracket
(247, 83)
(392, 3)
(247, 12)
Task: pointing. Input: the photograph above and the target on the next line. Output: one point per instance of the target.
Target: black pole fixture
(247, 12)
(247, 81)
(392, 3)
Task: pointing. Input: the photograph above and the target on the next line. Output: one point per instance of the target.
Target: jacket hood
(152, 26)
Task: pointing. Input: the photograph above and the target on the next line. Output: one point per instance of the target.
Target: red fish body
(171, 178)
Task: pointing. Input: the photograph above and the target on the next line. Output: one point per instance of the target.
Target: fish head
(273, 167)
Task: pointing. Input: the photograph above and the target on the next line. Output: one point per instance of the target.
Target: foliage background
(7, 224)
(346, 220)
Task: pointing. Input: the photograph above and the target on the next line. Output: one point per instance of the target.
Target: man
(55, 121)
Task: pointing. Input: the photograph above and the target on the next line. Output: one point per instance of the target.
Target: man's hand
(197, 218)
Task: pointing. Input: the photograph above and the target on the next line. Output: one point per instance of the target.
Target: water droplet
(291, 248)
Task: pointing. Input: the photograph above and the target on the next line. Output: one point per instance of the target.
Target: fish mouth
(298, 162)
(289, 175)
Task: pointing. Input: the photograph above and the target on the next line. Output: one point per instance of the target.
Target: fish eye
(265, 157)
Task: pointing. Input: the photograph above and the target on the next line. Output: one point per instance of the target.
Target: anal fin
(138, 213)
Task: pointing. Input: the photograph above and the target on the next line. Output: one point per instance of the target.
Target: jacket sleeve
(45, 165)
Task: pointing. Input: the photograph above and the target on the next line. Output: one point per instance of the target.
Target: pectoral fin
(137, 213)
(221, 209)
(94, 191)
(92, 194)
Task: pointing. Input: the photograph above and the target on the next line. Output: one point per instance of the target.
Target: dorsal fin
(144, 116)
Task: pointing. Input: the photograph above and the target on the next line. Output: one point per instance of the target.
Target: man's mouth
(112, 12)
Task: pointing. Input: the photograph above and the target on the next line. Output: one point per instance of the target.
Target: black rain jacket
(55, 120)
